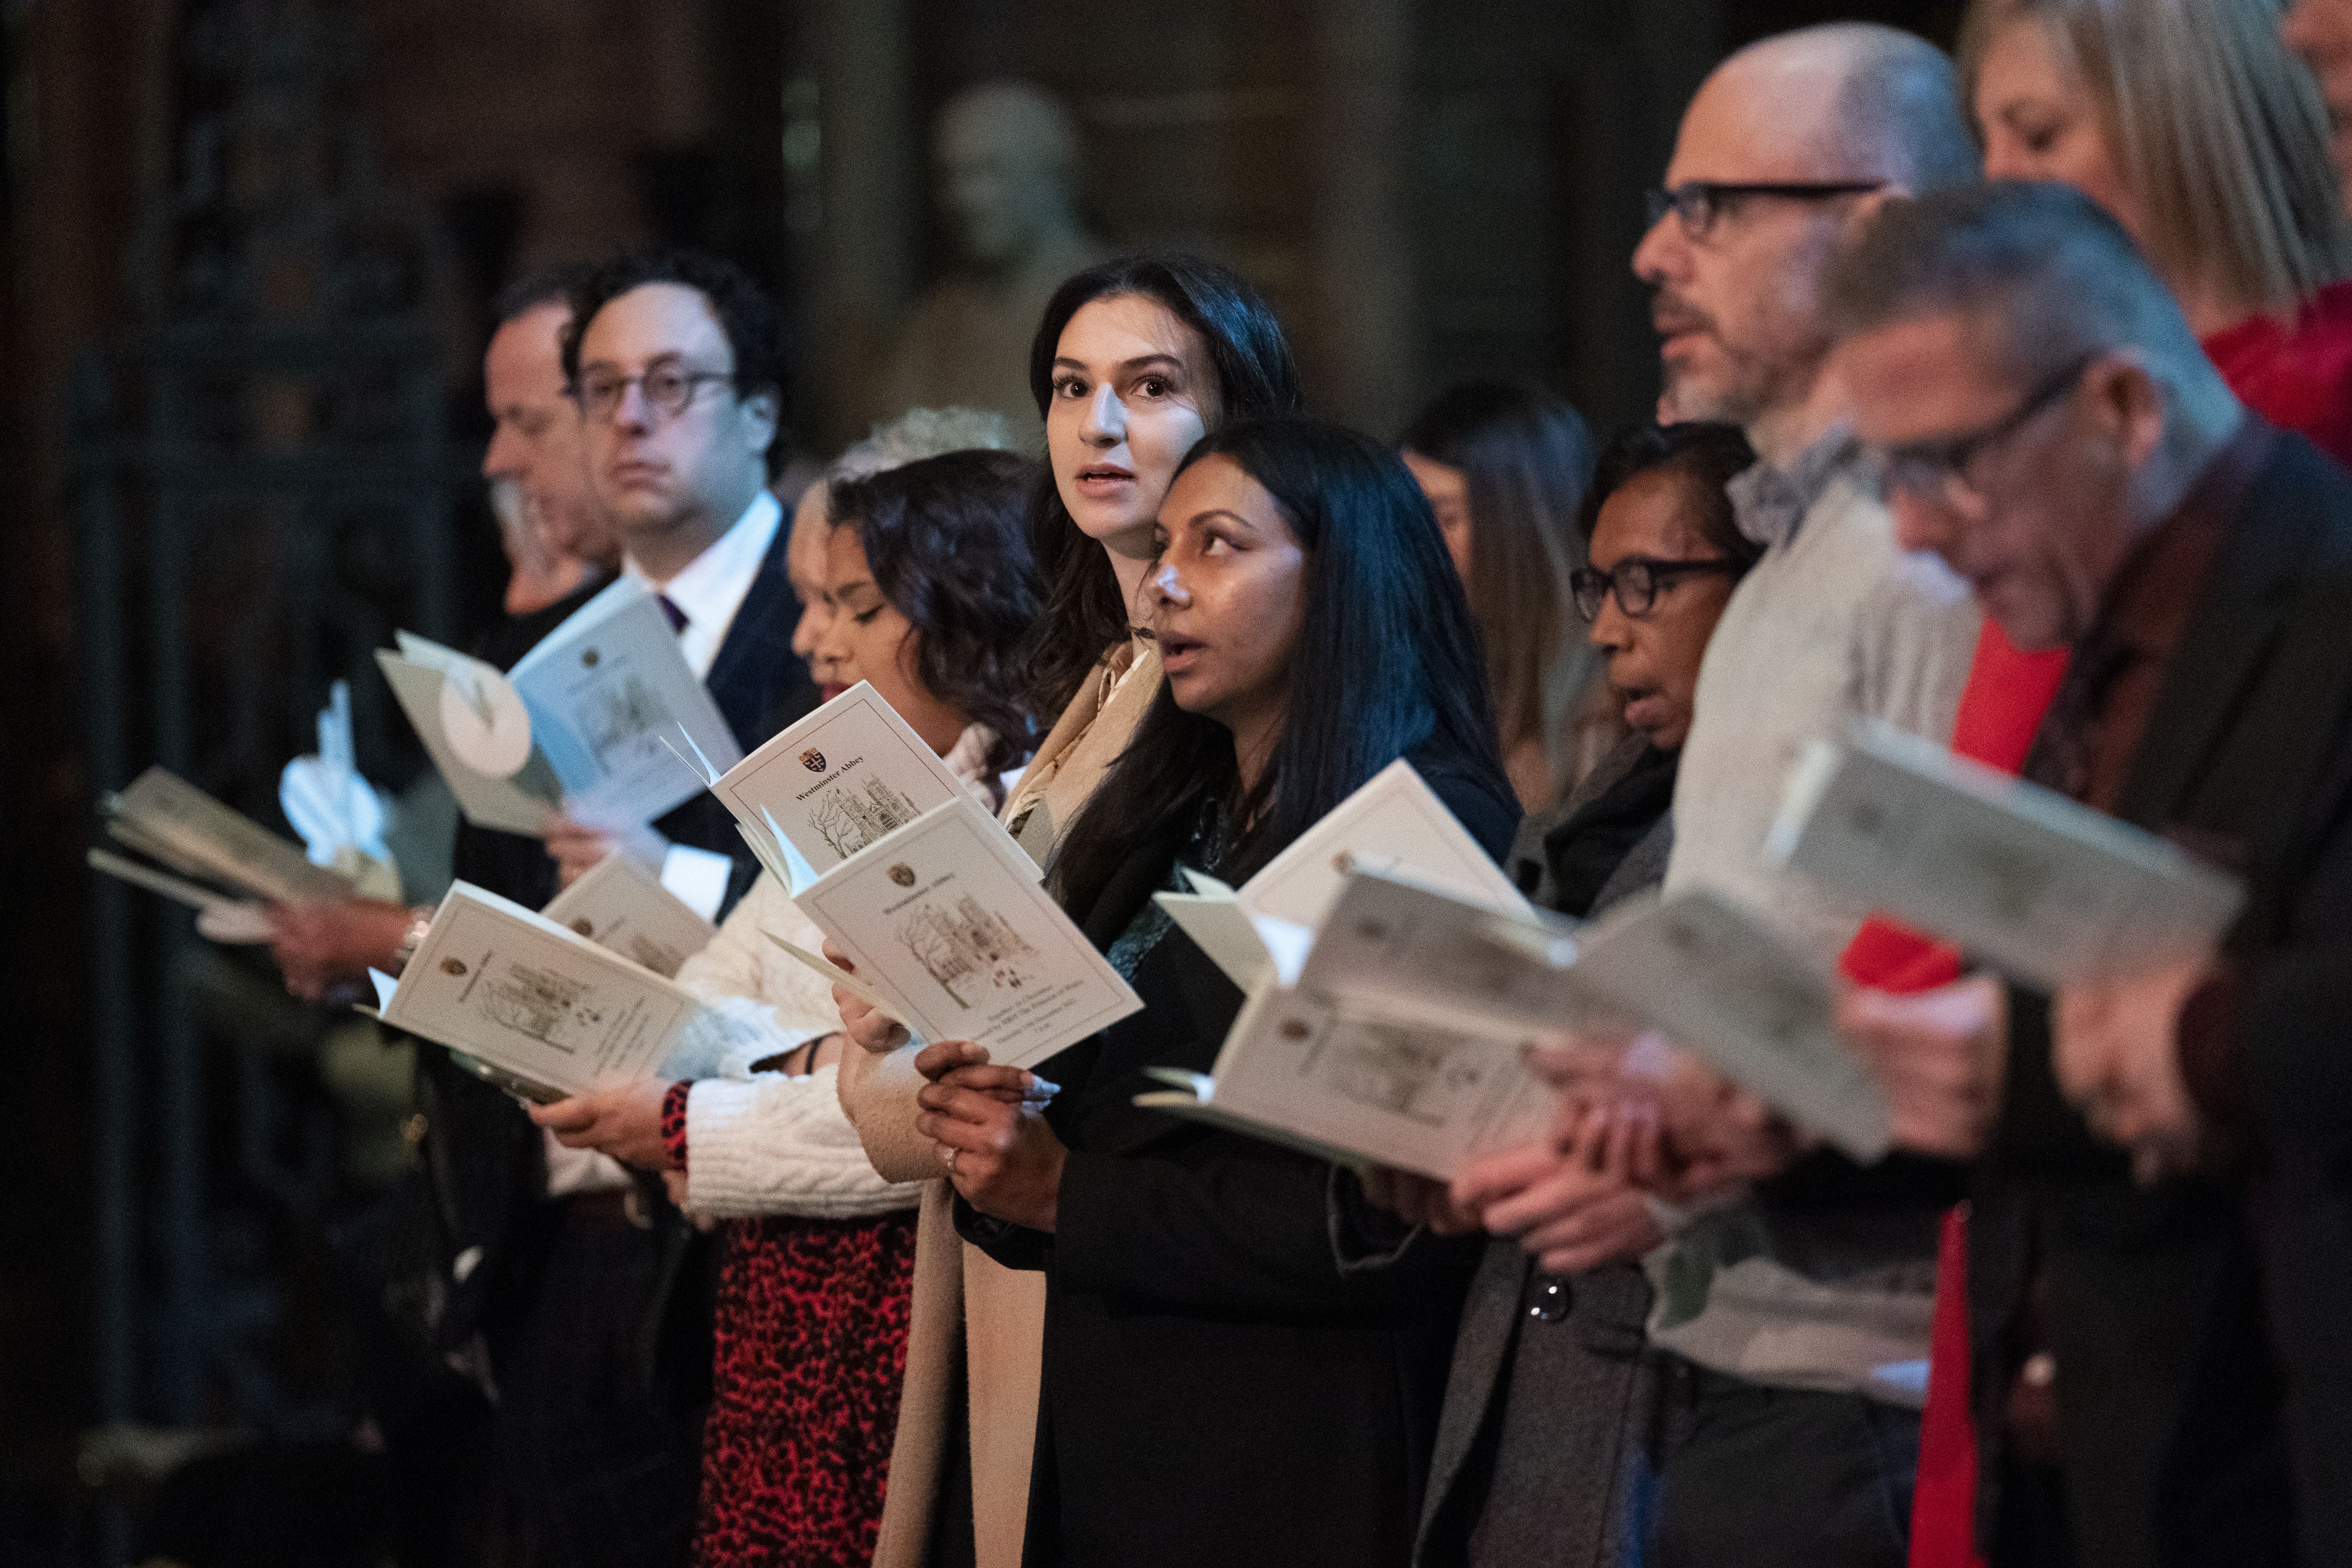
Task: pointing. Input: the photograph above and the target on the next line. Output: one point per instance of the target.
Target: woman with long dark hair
(929, 590)
(1505, 465)
(1214, 1389)
(1133, 363)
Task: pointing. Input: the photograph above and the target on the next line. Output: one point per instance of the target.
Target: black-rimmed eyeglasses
(1636, 582)
(1698, 203)
(668, 388)
(1927, 468)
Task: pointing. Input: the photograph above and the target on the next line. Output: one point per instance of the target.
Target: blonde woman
(1134, 361)
(2191, 124)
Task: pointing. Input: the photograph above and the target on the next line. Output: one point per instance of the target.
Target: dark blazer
(1214, 1390)
(2203, 1329)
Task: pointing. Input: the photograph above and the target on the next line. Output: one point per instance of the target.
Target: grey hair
(2058, 275)
(918, 433)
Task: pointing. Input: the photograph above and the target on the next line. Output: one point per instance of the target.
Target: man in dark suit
(2161, 1249)
(593, 1293)
(573, 1288)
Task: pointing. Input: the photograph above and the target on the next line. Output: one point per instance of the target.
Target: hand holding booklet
(581, 725)
(547, 1011)
(2039, 886)
(940, 911)
(1400, 1042)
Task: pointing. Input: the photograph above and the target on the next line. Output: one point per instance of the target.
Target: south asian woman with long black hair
(1214, 1390)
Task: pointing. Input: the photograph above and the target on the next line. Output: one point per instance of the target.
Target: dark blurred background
(249, 248)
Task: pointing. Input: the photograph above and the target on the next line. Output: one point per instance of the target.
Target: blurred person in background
(2189, 123)
(1504, 465)
(2321, 32)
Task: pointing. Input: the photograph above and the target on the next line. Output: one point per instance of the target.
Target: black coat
(1214, 1390)
(2203, 1329)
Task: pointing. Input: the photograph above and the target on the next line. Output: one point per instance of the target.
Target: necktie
(675, 616)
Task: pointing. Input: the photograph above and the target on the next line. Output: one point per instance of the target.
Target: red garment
(811, 1331)
(2299, 378)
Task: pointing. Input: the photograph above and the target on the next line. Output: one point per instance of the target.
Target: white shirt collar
(711, 588)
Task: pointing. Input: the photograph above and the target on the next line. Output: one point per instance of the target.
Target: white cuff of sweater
(781, 1145)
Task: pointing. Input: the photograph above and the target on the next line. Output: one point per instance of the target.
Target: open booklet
(1396, 1038)
(538, 1008)
(1394, 823)
(847, 776)
(620, 904)
(2040, 886)
(582, 724)
(166, 818)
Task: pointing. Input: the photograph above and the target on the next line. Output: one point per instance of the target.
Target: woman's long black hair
(943, 538)
(1387, 659)
(1255, 376)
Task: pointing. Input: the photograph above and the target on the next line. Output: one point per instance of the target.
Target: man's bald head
(1825, 121)
(1849, 100)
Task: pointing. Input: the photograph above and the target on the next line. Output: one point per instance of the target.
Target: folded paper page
(2040, 887)
(523, 798)
(1395, 824)
(603, 690)
(1366, 1088)
(164, 815)
(846, 776)
(945, 918)
(541, 1005)
(621, 906)
(1720, 982)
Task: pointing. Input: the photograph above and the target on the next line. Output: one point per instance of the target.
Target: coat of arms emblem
(813, 760)
(903, 874)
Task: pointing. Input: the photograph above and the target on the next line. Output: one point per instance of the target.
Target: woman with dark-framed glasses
(1548, 1437)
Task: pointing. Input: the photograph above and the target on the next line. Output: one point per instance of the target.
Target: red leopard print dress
(810, 1330)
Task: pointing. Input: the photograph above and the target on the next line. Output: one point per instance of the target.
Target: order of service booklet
(1399, 1039)
(583, 723)
(620, 904)
(1395, 824)
(2040, 887)
(847, 776)
(162, 816)
(550, 1012)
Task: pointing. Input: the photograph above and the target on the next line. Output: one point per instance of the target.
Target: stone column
(1362, 338)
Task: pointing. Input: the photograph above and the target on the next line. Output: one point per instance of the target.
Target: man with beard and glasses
(1795, 1319)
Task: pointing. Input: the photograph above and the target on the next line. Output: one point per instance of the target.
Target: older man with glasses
(2161, 1257)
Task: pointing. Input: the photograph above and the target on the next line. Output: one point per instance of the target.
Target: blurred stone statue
(1006, 162)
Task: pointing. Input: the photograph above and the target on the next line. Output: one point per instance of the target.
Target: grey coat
(1542, 1454)
(1542, 1451)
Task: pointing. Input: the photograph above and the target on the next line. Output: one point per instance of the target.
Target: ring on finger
(948, 1157)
